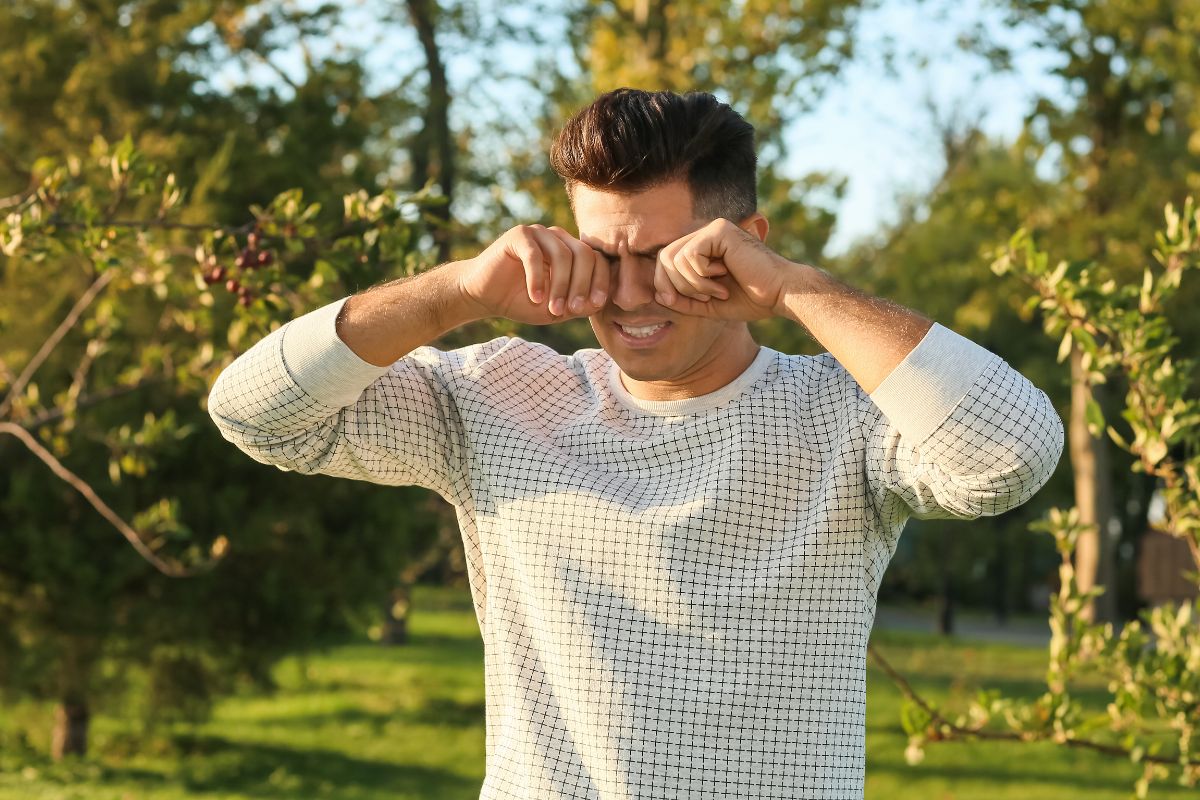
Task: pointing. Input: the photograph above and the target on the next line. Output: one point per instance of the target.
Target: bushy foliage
(1151, 665)
(116, 327)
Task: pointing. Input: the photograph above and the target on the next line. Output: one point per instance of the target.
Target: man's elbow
(1028, 464)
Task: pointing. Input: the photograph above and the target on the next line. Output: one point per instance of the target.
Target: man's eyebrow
(651, 252)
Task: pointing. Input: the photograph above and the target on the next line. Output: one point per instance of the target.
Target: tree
(1124, 136)
(1154, 709)
(150, 311)
(772, 60)
(933, 258)
(146, 70)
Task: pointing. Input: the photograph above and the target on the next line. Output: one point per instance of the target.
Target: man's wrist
(457, 307)
(799, 281)
(385, 322)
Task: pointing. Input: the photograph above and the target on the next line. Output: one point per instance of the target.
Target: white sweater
(675, 597)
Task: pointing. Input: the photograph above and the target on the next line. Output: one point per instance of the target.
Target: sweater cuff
(321, 363)
(933, 378)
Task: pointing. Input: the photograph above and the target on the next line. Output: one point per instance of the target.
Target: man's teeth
(642, 333)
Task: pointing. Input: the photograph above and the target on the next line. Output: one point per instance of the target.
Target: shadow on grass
(442, 711)
(447, 711)
(1010, 772)
(427, 649)
(218, 765)
(935, 685)
(438, 649)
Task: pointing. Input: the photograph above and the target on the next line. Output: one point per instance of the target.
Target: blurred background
(334, 651)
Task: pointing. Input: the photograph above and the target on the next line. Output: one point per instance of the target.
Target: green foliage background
(313, 558)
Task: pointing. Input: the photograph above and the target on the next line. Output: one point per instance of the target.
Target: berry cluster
(250, 258)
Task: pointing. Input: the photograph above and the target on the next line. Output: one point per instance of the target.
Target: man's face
(663, 346)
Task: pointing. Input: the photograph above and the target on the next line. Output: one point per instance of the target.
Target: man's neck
(719, 367)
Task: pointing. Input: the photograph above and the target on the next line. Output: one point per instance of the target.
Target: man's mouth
(641, 331)
(646, 333)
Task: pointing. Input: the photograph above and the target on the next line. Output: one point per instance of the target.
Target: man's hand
(725, 272)
(721, 271)
(536, 275)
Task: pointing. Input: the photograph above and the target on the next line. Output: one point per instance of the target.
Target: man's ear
(756, 224)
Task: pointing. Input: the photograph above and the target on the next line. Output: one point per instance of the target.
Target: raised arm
(951, 429)
(387, 322)
(351, 390)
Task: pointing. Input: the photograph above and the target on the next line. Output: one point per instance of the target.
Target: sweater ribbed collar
(690, 405)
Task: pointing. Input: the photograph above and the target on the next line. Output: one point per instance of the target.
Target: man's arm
(869, 336)
(725, 270)
(951, 429)
(348, 390)
(526, 275)
(383, 324)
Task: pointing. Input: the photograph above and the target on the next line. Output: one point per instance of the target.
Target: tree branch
(961, 733)
(14, 199)
(48, 346)
(168, 567)
(89, 400)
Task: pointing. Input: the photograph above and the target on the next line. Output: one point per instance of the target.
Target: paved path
(1030, 631)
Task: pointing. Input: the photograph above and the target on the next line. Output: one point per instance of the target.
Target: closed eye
(613, 259)
(649, 255)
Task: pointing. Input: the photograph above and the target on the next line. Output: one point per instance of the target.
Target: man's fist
(536, 275)
(722, 271)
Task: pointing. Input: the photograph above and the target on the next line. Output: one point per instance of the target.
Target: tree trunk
(396, 608)
(432, 148)
(70, 728)
(945, 610)
(1000, 567)
(395, 617)
(1094, 556)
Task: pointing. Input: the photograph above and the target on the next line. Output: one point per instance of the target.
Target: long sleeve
(301, 399)
(955, 432)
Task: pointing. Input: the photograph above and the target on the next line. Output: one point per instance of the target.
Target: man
(674, 541)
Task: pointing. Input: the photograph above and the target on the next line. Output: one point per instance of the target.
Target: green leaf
(1085, 340)
(1064, 349)
(1155, 451)
(1117, 438)
(1095, 416)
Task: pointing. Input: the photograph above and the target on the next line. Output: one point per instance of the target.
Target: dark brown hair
(629, 140)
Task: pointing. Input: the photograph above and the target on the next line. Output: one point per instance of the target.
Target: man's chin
(647, 367)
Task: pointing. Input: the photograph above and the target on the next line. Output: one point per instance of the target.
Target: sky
(871, 127)
(875, 129)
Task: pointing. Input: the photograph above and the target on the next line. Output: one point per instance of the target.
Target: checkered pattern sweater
(674, 596)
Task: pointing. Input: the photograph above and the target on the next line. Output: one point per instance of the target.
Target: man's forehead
(643, 221)
(637, 238)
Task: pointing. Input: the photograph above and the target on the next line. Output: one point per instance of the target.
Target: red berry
(217, 274)
(209, 278)
(232, 285)
(265, 258)
(241, 261)
(246, 299)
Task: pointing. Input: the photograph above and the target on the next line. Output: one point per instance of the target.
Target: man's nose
(633, 282)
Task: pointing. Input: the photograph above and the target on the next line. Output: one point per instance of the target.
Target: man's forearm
(869, 336)
(385, 323)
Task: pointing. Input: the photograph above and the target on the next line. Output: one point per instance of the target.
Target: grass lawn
(364, 722)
